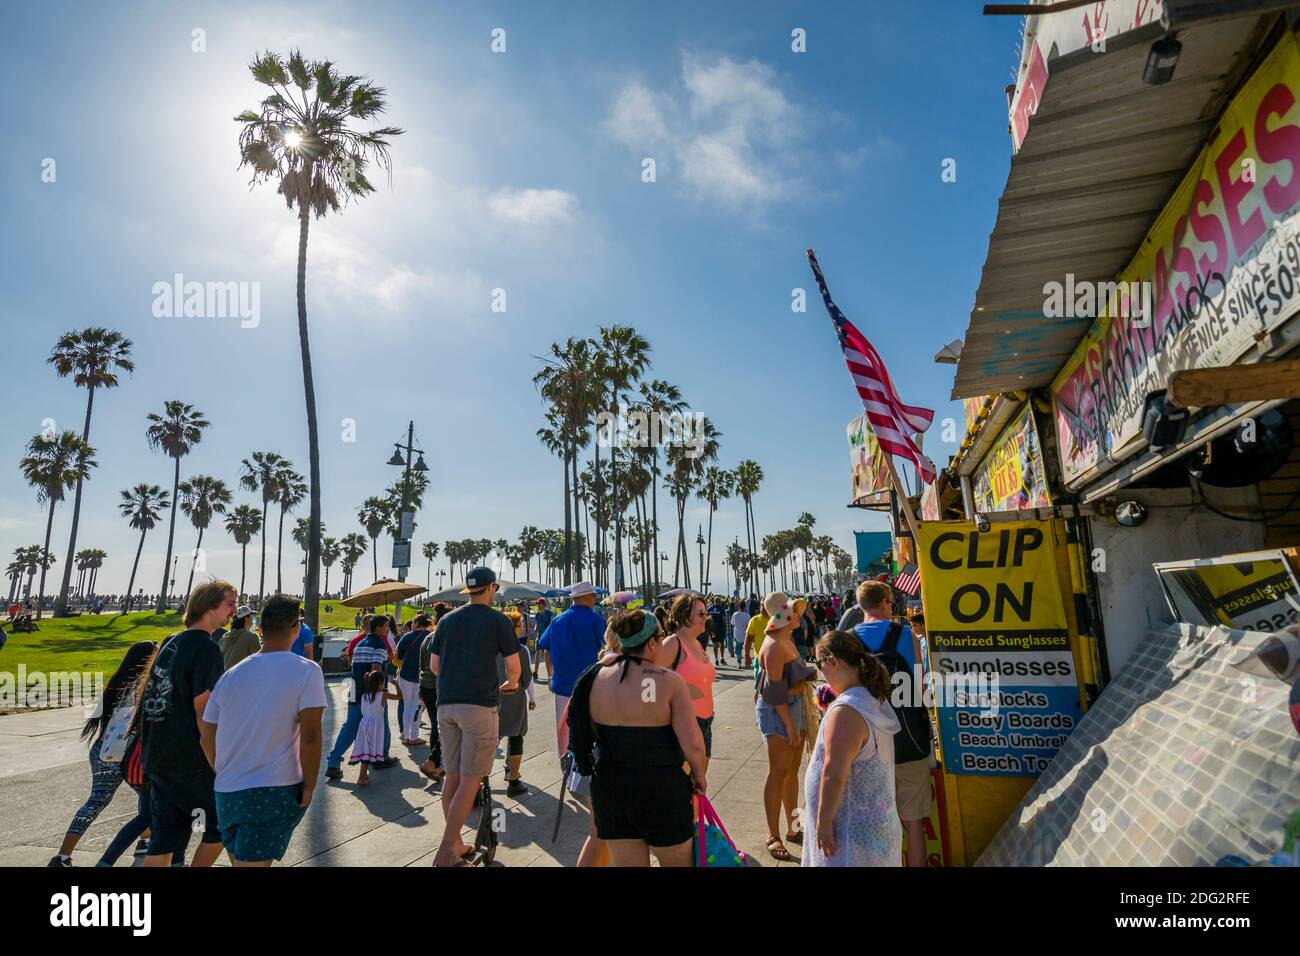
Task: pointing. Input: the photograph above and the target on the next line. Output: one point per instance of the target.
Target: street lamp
(403, 535)
(699, 539)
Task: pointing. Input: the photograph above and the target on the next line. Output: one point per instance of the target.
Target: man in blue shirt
(371, 653)
(572, 643)
(304, 644)
(542, 620)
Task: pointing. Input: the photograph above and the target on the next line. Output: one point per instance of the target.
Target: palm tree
(259, 473)
(625, 358)
(659, 399)
(354, 546)
(36, 558)
(290, 489)
(309, 146)
(142, 506)
(16, 569)
(242, 523)
(301, 535)
(330, 550)
(529, 538)
(374, 517)
(54, 465)
(687, 463)
(202, 497)
(749, 476)
(176, 431)
(93, 357)
(95, 561)
(716, 485)
(83, 568)
(515, 557)
(430, 551)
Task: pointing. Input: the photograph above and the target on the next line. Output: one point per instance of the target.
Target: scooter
(485, 837)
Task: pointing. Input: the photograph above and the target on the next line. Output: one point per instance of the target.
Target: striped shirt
(369, 651)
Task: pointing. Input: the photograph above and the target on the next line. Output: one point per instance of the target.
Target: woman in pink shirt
(683, 653)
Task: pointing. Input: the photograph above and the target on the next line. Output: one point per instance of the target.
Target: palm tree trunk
(243, 562)
(279, 552)
(577, 525)
(310, 588)
(130, 587)
(709, 551)
(374, 555)
(49, 527)
(161, 606)
(189, 587)
(60, 604)
(568, 519)
(600, 513)
(654, 531)
(261, 581)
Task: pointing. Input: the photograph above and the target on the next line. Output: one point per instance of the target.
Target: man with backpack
(896, 646)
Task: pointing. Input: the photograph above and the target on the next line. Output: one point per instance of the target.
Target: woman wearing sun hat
(779, 714)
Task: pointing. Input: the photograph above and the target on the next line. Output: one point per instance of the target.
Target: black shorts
(643, 803)
(182, 804)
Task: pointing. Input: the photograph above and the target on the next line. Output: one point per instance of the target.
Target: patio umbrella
(675, 592)
(621, 598)
(512, 591)
(383, 591)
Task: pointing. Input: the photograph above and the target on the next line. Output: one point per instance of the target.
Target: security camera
(982, 524)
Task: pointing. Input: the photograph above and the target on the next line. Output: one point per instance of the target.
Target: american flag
(893, 422)
(909, 580)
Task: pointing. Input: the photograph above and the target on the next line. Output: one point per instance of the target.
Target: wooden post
(903, 501)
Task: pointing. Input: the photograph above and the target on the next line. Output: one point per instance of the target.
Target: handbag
(713, 845)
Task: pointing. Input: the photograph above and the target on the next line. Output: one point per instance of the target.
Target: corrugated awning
(1103, 154)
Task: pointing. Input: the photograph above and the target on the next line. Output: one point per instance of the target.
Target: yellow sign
(1219, 268)
(998, 632)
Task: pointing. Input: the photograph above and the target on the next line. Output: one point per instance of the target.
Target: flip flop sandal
(796, 838)
(435, 776)
(778, 852)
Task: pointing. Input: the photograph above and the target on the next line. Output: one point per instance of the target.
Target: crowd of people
(218, 729)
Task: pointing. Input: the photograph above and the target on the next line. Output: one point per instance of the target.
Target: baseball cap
(478, 579)
(243, 610)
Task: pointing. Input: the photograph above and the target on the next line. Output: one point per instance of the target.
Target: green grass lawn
(98, 642)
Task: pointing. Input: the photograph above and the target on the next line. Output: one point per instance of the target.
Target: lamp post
(699, 539)
(403, 537)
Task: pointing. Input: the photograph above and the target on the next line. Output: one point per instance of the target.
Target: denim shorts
(770, 723)
(257, 824)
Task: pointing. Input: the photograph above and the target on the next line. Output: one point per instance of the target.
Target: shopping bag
(713, 846)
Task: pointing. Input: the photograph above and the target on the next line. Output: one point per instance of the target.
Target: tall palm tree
(625, 357)
(805, 541)
(354, 546)
(749, 476)
(330, 550)
(37, 559)
(687, 463)
(515, 557)
(93, 357)
(16, 569)
(529, 541)
(54, 465)
(301, 535)
(175, 432)
(309, 146)
(716, 485)
(83, 568)
(142, 506)
(290, 489)
(374, 517)
(95, 561)
(202, 497)
(430, 551)
(242, 523)
(259, 473)
(659, 399)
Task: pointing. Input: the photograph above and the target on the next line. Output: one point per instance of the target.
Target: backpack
(912, 740)
(120, 732)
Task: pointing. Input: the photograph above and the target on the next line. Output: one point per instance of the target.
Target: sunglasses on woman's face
(823, 661)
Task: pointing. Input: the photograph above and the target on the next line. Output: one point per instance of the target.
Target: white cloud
(533, 207)
(729, 131)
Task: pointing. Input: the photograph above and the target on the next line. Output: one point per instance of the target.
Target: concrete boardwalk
(397, 820)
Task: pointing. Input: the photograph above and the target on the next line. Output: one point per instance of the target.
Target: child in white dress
(369, 745)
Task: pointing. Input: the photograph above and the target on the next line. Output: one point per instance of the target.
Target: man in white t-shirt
(739, 623)
(261, 731)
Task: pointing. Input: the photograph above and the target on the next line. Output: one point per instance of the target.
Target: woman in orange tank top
(683, 653)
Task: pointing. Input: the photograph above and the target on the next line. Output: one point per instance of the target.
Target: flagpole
(904, 502)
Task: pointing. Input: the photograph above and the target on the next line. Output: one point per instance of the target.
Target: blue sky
(519, 171)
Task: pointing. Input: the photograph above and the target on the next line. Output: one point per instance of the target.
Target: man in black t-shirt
(181, 781)
(464, 656)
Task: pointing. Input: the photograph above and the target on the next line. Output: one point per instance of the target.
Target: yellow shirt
(755, 633)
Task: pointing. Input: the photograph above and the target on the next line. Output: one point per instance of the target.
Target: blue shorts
(770, 723)
(257, 824)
